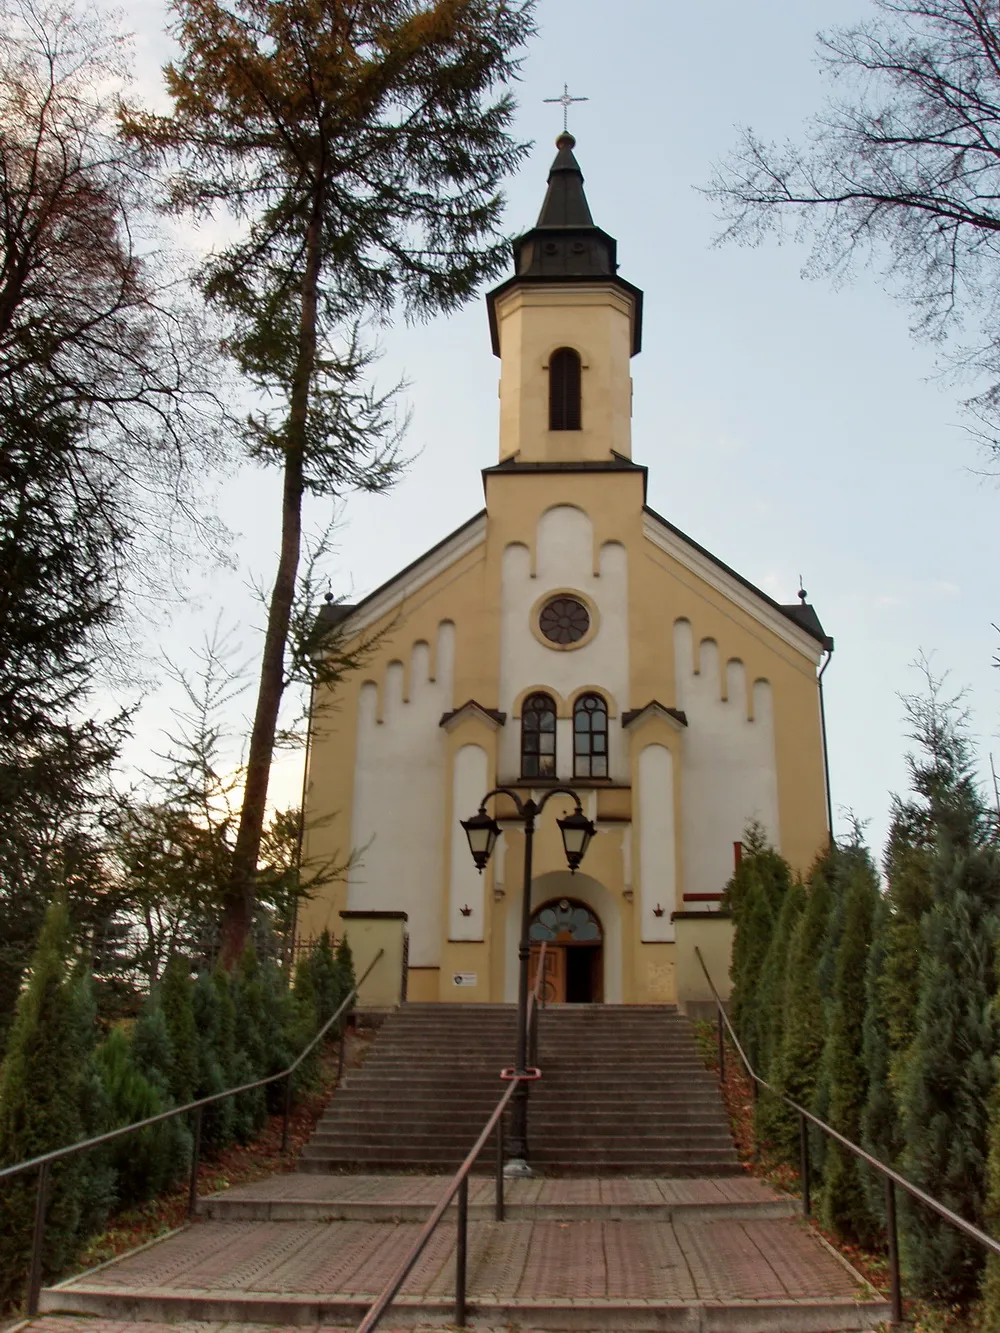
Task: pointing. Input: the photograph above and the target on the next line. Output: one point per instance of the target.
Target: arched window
(564, 389)
(538, 737)
(590, 737)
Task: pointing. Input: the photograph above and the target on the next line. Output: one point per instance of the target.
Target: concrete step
(566, 1143)
(556, 1117)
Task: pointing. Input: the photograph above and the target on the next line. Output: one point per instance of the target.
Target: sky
(790, 428)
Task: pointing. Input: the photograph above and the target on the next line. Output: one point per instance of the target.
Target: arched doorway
(574, 953)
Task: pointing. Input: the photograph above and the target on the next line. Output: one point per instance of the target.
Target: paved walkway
(428, 1189)
(81, 1324)
(705, 1255)
(514, 1261)
(410, 1198)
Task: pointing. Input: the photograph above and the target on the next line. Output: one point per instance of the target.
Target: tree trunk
(237, 916)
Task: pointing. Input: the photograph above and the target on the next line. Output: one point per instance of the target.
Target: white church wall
(728, 763)
(657, 842)
(400, 778)
(564, 561)
(470, 773)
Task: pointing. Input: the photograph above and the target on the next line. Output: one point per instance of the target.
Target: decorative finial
(328, 598)
(565, 102)
(801, 594)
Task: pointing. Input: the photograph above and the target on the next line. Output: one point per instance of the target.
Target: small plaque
(466, 978)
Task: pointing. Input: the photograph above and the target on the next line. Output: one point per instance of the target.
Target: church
(565, 636)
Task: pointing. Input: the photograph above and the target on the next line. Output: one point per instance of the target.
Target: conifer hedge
(875, 1005)
(62, 1081)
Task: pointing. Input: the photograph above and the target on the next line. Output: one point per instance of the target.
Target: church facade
(566, 635)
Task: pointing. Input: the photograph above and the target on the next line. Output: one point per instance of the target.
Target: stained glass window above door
(564, 921)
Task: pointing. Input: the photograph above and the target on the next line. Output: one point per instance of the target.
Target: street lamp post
(482, 830)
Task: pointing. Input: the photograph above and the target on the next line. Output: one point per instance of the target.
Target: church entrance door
(574, 962)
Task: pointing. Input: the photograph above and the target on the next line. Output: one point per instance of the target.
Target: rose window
(564, 620)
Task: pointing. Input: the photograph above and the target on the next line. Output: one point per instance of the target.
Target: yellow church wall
(423, 985)
(595, 319)
(664, 592)
(612, 500)
(455, 595)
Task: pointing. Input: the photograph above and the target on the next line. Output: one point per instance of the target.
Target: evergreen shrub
(754, 895)
(177, 1002)
(796, 1066)
(44, 1082)
(153, 1159)
(844, 1199)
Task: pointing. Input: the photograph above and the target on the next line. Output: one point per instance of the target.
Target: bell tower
(565, 327)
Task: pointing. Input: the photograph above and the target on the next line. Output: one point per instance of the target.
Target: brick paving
(516, 1261)
(87, 1324)
(388, 1190)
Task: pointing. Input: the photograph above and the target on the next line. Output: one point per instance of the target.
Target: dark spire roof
(565, 202)
(564, 243)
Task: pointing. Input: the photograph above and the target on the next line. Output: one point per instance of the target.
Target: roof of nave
(451, 548)
(799, 613)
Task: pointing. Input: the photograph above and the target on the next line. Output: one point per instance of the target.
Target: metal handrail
(892, 1177)
(459, 1184)
(44, 1161)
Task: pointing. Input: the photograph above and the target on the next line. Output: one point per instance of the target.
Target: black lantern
(577, 831)
(482, 831)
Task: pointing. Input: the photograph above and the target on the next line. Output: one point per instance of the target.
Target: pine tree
(43, 1086)
(287, 113)
(844, 1199)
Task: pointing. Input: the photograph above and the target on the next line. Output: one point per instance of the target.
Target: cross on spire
(565, 102)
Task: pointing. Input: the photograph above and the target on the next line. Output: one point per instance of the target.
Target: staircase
(623, 1091)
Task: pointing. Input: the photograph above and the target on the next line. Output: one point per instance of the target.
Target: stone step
(653, 1139)
(687, 1168)
(541, 1115)
(594, 1151)
(488, 1059)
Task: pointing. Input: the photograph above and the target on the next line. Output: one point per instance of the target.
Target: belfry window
(564, 389)
(538, 737)
(590, 737)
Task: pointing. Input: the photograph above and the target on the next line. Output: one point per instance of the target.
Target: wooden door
(554, 984)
